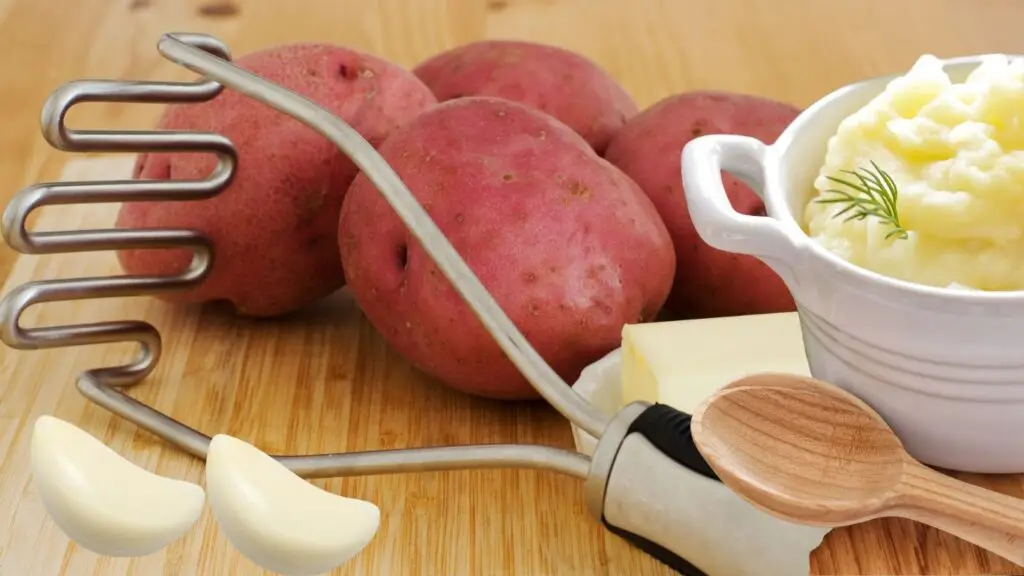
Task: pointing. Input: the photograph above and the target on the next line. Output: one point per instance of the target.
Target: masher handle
(661, 496)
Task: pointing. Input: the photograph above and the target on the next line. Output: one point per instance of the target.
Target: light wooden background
(325, 380)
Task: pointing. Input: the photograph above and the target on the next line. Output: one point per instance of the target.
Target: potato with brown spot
(709, 282)
(564, 84)
(274, 229)
(569, 271)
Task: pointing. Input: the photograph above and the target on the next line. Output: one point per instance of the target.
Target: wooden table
(325, 380)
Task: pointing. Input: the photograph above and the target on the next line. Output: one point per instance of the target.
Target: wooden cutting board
(322, 381)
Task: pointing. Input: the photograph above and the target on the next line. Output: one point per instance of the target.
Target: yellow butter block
(681, 363)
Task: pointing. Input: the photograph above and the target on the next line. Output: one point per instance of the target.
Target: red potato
(709, 282)
(274, 229)
(564, 84)
(568, 245)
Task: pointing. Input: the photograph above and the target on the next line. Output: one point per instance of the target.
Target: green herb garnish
(873, 194)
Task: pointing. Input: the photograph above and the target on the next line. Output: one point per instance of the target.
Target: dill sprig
(873, 194)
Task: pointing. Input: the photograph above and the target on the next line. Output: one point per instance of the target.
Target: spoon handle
(985, 518)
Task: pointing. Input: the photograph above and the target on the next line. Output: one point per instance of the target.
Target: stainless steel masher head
(642, 449)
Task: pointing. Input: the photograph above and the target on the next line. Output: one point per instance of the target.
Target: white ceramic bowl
(945, 368)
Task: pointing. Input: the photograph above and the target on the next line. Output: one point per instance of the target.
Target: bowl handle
(714, 218)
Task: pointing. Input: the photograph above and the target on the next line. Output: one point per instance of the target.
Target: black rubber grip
(668, 430)
(660, 553)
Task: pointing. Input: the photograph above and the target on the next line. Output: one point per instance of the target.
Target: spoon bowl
(811, 453)
(803, 453)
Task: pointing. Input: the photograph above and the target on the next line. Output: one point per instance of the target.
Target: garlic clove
(278, 520)
(104, 502)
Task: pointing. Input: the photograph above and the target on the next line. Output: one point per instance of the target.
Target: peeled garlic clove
(278, 520)
(104, 502)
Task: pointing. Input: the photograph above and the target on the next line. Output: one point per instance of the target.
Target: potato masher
(650, 433)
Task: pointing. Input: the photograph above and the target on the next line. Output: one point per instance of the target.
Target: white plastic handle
(713, 216)
(699, 519)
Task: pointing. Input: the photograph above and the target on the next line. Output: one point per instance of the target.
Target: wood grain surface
(324, 380)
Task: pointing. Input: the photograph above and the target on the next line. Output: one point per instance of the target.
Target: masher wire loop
(208, 56)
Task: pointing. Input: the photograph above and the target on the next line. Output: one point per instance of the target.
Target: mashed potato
(956, 154)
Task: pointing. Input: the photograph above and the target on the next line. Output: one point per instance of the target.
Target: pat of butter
(681, 363)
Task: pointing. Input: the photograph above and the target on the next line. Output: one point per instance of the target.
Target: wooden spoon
(812, 453)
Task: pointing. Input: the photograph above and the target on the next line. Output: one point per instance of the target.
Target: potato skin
(559, 82)
(274, 228)
(709, 282)
(566, 243)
